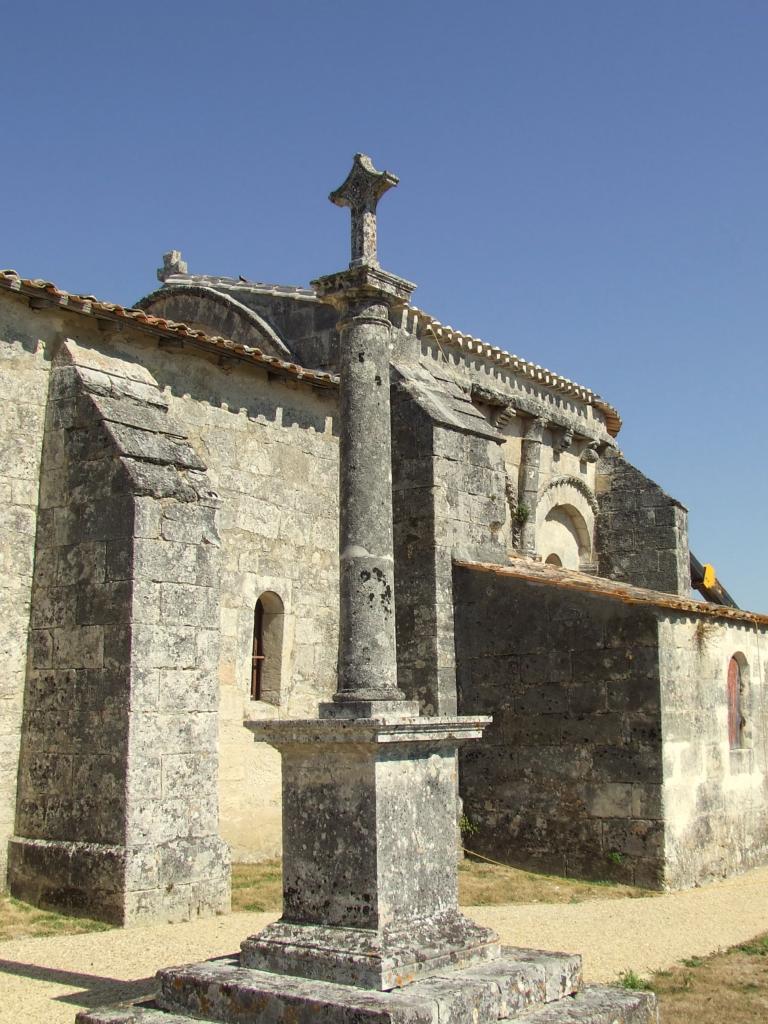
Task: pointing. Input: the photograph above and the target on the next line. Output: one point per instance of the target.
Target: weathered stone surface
(117, 808)
(369, 878)
(224, 991)
(574, 752)
(24, 366)
(597, 1005)
(641, 533)
(367, 663)
(221, 990)
(715, 810)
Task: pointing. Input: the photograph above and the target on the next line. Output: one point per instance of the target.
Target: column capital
(363, 283)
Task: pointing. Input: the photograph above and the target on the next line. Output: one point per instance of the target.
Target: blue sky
(582, 183)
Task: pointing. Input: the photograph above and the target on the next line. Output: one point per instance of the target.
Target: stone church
(169, 491)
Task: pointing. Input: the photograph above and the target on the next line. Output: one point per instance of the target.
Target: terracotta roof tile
(88, 305)
(568, 579)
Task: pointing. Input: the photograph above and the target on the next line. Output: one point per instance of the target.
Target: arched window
(553, 559)
(736, 702)
(267, 648)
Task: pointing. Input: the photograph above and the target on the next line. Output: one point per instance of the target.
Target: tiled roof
(45, 293)
(568, 579)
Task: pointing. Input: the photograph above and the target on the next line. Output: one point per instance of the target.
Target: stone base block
(121, 885)
(595, 1005)
(82, 879)
(390, 958)
(527, 986)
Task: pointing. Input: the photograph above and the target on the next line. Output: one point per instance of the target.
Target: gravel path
(47, 980)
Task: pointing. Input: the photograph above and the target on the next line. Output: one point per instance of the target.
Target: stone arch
(565, 523)
(215, 313)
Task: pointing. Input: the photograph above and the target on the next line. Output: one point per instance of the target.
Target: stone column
(364, 295)
(528, 486)
(367, 651)
(369, 791)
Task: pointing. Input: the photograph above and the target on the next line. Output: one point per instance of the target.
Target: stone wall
(271, 452)
(642, 533)
(449, 501)
(117, 810)
(715, 797)
(23, 389)
(568, 777)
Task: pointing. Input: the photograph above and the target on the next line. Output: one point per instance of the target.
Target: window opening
(267, 649)
(257, 656)
(735, 711)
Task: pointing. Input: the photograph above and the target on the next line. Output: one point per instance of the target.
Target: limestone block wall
(449, 501)
(271, 453)
(568, 778)
(641, 532)
(117, 810)
(24, 366)
(715, 797)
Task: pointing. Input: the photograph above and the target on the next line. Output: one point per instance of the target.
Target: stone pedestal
(369, 876)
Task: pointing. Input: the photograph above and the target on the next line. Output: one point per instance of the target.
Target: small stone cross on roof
(361, 191)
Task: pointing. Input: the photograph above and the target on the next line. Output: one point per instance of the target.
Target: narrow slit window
(735, 709)
(257, 656)
(267, 649)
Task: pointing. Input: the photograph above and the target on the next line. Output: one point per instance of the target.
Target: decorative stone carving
(172, 264)
(528, 487)
(591, 451)
(361, 191)
(500, 404)
(563, 440)
(577, 483)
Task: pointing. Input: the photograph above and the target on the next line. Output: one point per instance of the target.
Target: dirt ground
(49, 978)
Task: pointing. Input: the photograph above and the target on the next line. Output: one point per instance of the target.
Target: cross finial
(361, 191)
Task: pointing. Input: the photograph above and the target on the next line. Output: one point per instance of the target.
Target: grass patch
(483, 884)
(257, 887)
(631, 980)
(21, 920)
(729, 986)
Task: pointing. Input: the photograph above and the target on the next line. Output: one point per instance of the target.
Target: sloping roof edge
(569, 579)
(87, 305)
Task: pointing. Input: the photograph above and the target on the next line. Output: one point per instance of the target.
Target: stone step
(224, 991)
(525, 986)
(596, 1005)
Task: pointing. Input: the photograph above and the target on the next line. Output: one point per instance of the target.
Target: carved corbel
(563, 439)
(498, 403)
(592, 451)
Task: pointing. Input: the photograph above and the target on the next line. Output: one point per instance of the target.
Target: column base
(383, 960)
(523, 985)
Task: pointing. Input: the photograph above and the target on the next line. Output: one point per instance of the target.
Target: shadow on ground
(92, 989)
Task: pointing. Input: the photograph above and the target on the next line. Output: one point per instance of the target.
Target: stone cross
(361, 191)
